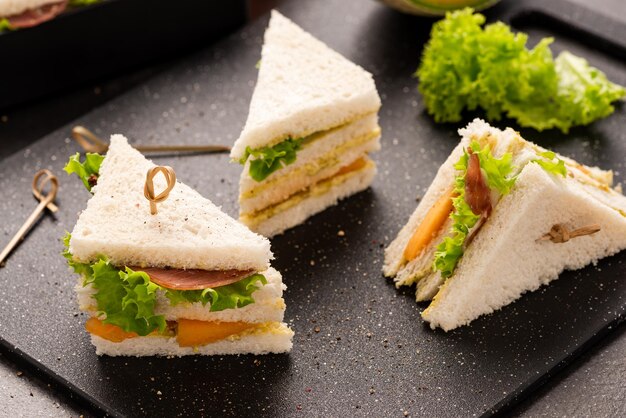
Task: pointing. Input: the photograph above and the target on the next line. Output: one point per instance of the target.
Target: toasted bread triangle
(187, 232)
(303, 87)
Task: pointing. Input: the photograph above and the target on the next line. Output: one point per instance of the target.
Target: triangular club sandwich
(312, 122)
(502, 217)
(186, 280)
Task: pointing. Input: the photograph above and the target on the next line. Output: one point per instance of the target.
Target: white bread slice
(276, 337)
(322, 168)
(187, 232)
(316, 199)
(268, 305)
(505, 259)
(428, 286)
(15, 7)
(303, 87)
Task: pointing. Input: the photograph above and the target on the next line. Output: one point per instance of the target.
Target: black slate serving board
(360, 347)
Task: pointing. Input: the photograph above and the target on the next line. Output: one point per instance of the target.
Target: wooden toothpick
(559, 233)
(91, 143)
(148, 189)
(41, 179)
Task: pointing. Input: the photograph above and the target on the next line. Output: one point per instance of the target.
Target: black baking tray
(360, 347)
(88, 43)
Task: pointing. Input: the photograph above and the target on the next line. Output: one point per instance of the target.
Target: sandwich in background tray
(186, 280)
(502, 217)
(18, 14)
(312, 122)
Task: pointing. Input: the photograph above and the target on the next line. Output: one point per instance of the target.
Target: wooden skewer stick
(45, 201)
(91, 143)
(148, 189)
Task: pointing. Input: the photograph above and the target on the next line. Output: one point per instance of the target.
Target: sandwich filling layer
(319, 188)
(282, 151)
(280, 188)
(481, 181)
(187, 332)
(124, 303)
(269, 338)
(267, 162)
(324, 160)
(137, 307)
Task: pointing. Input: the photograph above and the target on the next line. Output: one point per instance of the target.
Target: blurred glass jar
(436, 7)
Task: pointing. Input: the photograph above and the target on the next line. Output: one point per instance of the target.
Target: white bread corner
(303, 87)
(276, 340)
(505, 260)
(187, 232)
(14, 7)
(314, 204)
(268, 305)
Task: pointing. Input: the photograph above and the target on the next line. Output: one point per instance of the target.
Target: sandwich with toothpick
(503, 216)
(163, 271)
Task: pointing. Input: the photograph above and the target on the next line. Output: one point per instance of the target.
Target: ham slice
(477, 193)
(193, 279)
(34, 17)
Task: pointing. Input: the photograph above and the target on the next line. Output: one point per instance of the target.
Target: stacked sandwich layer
(312, 122)
(186, 280)
(503, 216)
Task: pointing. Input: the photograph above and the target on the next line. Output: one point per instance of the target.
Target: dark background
(598, 374)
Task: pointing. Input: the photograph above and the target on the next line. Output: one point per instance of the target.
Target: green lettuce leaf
(449, 66)
(584, 91)
(450, 250)
(497, 171)
(79, 3)
(87, 171)
(235, 295)
(127, 298)
(550, 163)
(467, 67)
(498, 174)
(79, 268)
(266, 160)
(5, 25)
(501, 175)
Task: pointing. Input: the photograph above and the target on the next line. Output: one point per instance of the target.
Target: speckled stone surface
(360, 347)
